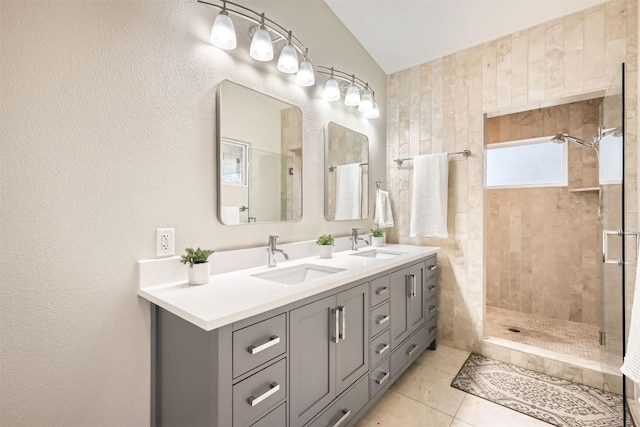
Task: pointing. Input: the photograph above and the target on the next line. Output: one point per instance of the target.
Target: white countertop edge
(155, 294)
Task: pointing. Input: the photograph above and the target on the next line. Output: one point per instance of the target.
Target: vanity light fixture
(264, 35)
(357, 93)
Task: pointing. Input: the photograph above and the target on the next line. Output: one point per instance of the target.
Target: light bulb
(305, 76)
(352, 98)
(223, 33)
(288, 60)
(366, 103)
(331, 90)
(261, 46)
(374, 113)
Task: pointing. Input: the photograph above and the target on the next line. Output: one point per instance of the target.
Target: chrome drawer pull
(257, 349)
(412, 288)
(383, 379)
(385, 319)
(432, 288)
(433, 267)
(431, 329)
(384, 348)
(253, 401)
(346, 414)
(343, 313)
(432, 309)
(413, 348)
(381, 291)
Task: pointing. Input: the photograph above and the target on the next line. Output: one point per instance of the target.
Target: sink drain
(516, 330)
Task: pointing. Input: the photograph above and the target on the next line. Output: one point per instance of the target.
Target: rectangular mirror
(259, 157)
(346, 194)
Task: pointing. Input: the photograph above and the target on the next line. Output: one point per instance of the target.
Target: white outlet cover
(165, 242)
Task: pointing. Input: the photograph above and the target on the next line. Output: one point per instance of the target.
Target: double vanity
(311, 342)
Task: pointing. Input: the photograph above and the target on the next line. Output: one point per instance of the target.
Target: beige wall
(108, 132)
(543, 244)
(439, 106)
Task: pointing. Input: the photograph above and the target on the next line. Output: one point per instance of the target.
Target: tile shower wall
(439, 106)
(543, 243)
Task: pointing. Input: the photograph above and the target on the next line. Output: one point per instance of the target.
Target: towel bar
(465, 153)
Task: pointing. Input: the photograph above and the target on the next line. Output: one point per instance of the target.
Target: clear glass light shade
(305, 76)
(352, 98)
(261, 46)
(223, 33)
(288, 60)
(366, 103)
(331, 90)
(374, 113)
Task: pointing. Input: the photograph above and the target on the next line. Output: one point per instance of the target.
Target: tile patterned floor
(423, 397)
(560, 336)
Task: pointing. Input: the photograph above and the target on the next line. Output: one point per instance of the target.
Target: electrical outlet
(165, 242)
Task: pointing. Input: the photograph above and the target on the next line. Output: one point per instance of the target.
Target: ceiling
(400, 34)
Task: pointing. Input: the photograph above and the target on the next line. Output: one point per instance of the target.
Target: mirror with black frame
(346, 172)
(259, 157)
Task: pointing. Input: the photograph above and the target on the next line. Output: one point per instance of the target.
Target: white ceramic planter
(199, 273)
(376, 242)
(326, 251)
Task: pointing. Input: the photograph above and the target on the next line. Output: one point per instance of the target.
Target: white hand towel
(348, 191)
(383, 216)
(631, 365)
(230, 215)
(429, 195)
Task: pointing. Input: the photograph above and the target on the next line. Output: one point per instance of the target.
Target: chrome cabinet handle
(432, 309)
(432, 288)
(342, 310)
(382, 349)
(433, 267)
(253, 349)
(412, 285)
(345, 414)
(385, 319)
(383, 379)
(381, 291)
(413, 348)
(336, 337)
(253, 401)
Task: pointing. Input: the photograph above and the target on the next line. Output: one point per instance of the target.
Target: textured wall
(439, 106)
(108, 132)
(543, 244)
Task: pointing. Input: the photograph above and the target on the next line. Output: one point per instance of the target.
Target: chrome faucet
(355, 239)
(271, 250)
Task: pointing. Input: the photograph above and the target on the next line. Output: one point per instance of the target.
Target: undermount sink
(298, 273)
(378, 253)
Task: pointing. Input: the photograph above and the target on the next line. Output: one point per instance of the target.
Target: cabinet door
(399, 306)
(416, 296)
(312, 370)
(352, 350)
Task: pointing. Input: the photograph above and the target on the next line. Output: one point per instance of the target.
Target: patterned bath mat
(553, 400)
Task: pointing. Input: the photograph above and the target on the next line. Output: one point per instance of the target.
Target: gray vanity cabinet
(328, 350)
(407, 302)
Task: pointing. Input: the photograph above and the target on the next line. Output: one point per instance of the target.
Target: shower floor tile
(560, 336)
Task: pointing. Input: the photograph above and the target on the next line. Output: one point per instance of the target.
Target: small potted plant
(199, 265)
(326, 244)
(378, 237)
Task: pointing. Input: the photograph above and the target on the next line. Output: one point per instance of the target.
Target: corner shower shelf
(584, 189)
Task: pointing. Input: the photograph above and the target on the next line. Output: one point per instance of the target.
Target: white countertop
(236, 295)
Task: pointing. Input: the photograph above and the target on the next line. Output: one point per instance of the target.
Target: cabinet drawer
(379, 377)
(431, 265)
(259, 343)
(430, 288)
(380, 319)
(258, 393)
(346, 407)
(275, 418)
(379, 290)
(431, 309)
(432, 329)
(380, 348)
(408, 351)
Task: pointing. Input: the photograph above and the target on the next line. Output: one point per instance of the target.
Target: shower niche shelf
(583, 189)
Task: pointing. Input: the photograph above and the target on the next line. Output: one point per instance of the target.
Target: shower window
(535, 162)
